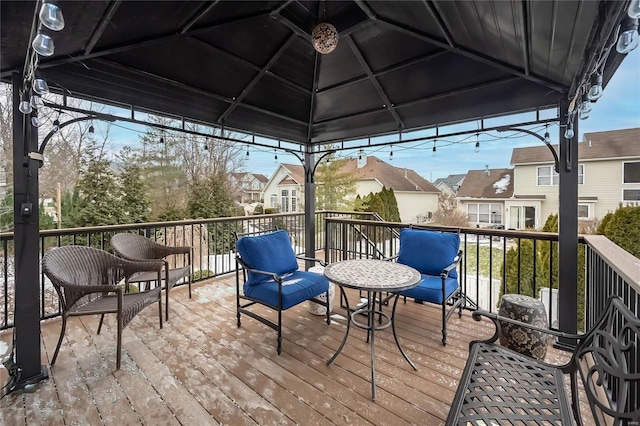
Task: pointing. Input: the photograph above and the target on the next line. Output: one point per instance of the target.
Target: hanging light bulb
(547, 138)
(51, 16)
(634, 9)
(433, 151)
(584, 109)
(628, 39)
(275, 157)
(247, 152)
(568, 134)
(34, 121)
(91, 130)
(391, 153)
(40, 86)
(596, 88)
(360, 154)
(477, 147)
(43, 45)
(56, 125)
(25, 105)
(36, 101)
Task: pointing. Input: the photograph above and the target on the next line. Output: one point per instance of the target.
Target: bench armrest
(478, 314)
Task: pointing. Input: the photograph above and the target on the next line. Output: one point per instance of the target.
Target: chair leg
(279, 331)
(160, 310)
(62, 330)
(119, 342)
(167, 302)
(100, 323)
(444, 323)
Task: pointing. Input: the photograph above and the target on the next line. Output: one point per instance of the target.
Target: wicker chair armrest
(390, 258)
(313, 259)
(170, 250)
(131, 267)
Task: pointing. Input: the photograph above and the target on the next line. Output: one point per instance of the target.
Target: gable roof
(260, 177)
(451, 180)
(296, 174)
(596, 146)
(498, 183)
(396, 178)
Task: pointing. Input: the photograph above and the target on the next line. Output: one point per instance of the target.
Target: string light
(275, 157)
(391, 153)
(477, 148)
(433, 152)
(247, 152)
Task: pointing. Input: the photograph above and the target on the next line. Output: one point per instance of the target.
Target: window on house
(583, 211)
(631, 172)
(294, 201)
(284, 205)
(631, 194)
(274, 200)
(547, 176)
(485, 213)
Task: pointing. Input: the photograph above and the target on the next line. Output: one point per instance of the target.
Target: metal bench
(500, 386)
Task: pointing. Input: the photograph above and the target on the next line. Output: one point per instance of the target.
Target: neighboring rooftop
(489, 183)
(396, 178)
(596, 146)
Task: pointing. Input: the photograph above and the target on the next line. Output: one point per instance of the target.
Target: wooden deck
(201, 369)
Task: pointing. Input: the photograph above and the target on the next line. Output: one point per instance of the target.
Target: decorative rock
(520, 339)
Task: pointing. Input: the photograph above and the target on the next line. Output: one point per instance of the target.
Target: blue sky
(619, 108)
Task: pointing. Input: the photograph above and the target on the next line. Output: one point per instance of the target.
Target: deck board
(202, 369)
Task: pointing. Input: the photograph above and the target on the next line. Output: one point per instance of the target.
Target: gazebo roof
(250, 65)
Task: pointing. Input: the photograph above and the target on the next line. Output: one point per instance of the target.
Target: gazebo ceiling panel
(294, 103)
(202, 70)
(425, 78)
(468, 104)
(251, 62)
(343, 101)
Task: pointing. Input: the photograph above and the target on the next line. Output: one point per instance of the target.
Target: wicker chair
(86, 280)
(139, 247)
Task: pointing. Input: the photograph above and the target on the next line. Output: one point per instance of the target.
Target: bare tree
(448, 213)
(6, 134)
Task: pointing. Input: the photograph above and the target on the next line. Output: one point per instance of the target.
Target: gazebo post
(309, 206)
(568, 226)
(26, 238)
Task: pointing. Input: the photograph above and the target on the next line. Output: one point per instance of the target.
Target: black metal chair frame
(243, 308)
(457, 299)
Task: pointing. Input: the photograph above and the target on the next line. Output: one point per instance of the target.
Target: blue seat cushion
(428, 251)
(297, 287)
(429, 289)
(270, 252)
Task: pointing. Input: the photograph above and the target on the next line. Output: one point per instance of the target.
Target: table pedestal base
(370, 311)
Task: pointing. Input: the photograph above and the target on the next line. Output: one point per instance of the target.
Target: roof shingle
(498, 183)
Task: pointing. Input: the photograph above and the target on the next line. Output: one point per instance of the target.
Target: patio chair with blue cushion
(436, 255)
(271, 278)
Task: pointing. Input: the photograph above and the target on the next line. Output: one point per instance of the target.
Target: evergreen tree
(100, 197)
(519, 264)
(69, 208)
(135, 194)
(623, 228)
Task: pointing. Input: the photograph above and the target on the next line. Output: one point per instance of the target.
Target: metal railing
(211, 239)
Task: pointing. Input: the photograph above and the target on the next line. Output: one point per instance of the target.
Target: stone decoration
(520, 339)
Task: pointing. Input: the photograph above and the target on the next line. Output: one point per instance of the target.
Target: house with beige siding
(608, 174)
(417, 198)
(483, 195)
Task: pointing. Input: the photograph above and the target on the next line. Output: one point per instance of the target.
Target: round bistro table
(374, 277)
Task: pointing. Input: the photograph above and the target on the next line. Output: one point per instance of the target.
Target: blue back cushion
(270, 252)
(428, 251)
